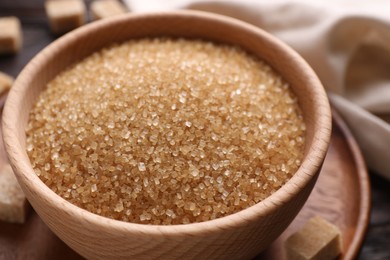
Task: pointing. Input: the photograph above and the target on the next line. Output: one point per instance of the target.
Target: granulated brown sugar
(166, 131)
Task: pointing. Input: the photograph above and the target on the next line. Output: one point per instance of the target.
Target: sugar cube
(10, 35)
(106, 8)
(317, 240)
(13, 203)
(5, 82)
(65, 15)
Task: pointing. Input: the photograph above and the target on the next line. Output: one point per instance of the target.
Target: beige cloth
(347, 42)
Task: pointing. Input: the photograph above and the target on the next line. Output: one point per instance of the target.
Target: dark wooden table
(37, 35)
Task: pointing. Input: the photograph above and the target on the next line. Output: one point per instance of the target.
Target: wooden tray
(341, 195)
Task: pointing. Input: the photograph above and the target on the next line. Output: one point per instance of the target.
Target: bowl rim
(25, 173)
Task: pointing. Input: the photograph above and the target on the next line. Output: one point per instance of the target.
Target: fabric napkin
(347, 42)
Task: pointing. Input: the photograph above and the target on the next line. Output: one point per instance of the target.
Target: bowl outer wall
(238, 236)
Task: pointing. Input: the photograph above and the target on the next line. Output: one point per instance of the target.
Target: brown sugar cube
(106, 8)
(13, 203)
(317, 240)
(5, 82)
(10, 35)
(65, 15)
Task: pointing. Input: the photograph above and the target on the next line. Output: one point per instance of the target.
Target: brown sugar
(107, 8)
(65, 15)
(166, 131)
(6, 82)
(13, 203)
(10, 35)
(317, 240)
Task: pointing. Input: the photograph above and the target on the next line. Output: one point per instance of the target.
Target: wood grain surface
(36, 36)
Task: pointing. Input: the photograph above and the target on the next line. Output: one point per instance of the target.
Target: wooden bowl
(238, 236)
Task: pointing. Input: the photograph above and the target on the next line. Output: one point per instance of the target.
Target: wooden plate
(341, 195)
